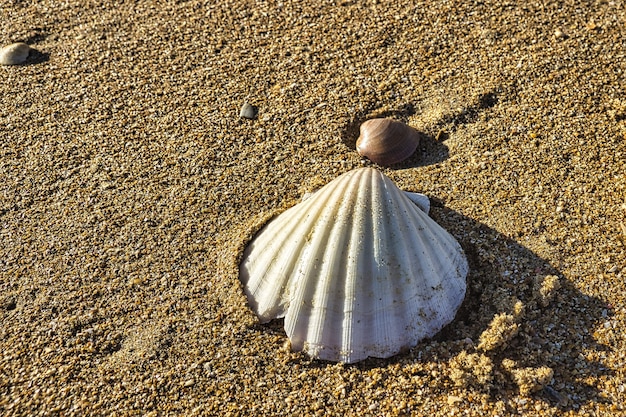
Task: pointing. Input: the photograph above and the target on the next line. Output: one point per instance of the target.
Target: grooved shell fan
(357, 270)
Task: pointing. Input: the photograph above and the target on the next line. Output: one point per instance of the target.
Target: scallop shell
(387, 141)
(14, 54)
(357, 270)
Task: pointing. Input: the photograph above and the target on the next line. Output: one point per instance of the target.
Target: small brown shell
(14, 54)
(387, 141)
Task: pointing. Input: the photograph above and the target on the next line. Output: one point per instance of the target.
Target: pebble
(14, 54)
(453, 399)
(554, 395)
(248, 111)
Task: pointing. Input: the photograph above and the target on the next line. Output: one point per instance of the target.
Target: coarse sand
(129, 187)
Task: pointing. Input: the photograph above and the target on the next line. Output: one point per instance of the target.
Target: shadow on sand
(552, 336)
(432, 148)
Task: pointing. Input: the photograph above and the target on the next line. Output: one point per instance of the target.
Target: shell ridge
(409, 285)
(380, 338)
(301, 312)
(337, 341)
(411, 300)
(331, 298)
(424, 234)
(296, 324)
(365, 267)
(350, 347)
(352, 287)
(460, 285)
(375, 331)
(433, 239)
(451, 282)
(424, 238)
(443, 284)
(271, 236)
(277, 270)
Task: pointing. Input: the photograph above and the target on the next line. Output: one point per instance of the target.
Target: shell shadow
(577, 315)
(32, 38)
(36, 57)
(36, 35)
(549, 336)
(431, 150)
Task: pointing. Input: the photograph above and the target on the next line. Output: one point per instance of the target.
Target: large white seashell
(356, 270)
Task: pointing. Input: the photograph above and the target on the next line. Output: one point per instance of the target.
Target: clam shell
(387, 141)
(357, 270)
(14, 54)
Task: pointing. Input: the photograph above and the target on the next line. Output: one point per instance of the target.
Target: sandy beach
(130, 186)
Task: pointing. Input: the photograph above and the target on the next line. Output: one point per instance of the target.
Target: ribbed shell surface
(357, 270)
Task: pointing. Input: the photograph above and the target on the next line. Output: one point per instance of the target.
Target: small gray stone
(14, 54)
(248, 111)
